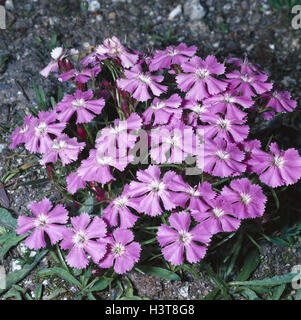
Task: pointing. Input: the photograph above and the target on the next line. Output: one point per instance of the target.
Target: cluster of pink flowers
(187, 107)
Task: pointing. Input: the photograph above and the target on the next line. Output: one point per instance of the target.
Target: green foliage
(279, 4)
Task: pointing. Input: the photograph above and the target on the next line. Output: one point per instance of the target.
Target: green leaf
(90, 296)
(236, 250)
(15, 277)
(101, 284)
(159, 272)
(87, 206)
(250, 265)
(249, 294)
(11, 241)
(55, 294)
(268, 282)
(298, 295)
(38, 293)
(7, 220)
(60, 272)
(277, 292)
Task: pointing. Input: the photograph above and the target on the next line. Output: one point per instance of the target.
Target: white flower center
(157, 186)
(223, 123)
(228, 98)
(223, 155)
(218, 212)
(58, 145)
(158, 105)
(193, 192)
(41, 221)
(174, 141)
(41, 129)
(80, 239)
(118, 249)
(24, 129)
(278, 162)
(144, 78)
(246, 78)
(202, 73)
(56, 53)
(103, 160)
(199, 109)
(172, 52)
(78, 103)
(185, 237)
(121, 202)
(245, 198)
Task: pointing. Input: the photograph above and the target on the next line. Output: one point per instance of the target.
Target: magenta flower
(199, 82)
(119, 208)
(122, 134)
(231, 129)
(171, 55)
(97, 166)
(192, 198)
(173, 145)
(83, 239)
(196, 110)
(228, 103)
(20, 133)
(178, 239)
(278, 167)
(80, 103)
(67, 149)
(138, 82)
(245, 65)
(45, 220)
(74, 182)
(219, 217)
(222, 159)
(38, 139)
(113, 48)
(80, 76)
(247, 199)
(163, 110)
(150, 189)
(249, 84)
(57, 54)
(280, 101)
(123, 252)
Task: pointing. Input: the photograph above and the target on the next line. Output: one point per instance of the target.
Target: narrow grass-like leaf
(12, 240)
(101, 284)
(249, 266)
(6, 219)
(159, 272)
(61, 273)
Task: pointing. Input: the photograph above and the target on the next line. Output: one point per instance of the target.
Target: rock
(175, 12)
(94, 5)
(9, 5)
(15, 266)
(184, 292)
(112, 16)
(194, 10)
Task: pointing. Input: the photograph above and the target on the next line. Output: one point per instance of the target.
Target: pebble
(2, 147)
(184, 291)
(94, 5)
(9, 5)
(112, 16)
(175, 12)
(15, 266)
(194, 10)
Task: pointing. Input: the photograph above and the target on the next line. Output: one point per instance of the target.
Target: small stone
(184, 292)
(94, 5)
(15, 266)
(9, 5)
(194, 10)
(227, 7)
(175, 12)
(272, 46)
(112, 16)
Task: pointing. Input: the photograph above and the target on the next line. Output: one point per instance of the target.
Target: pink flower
(193, 198)
(123, 252)
(138, 82)
(278, 167)
(231, 129)
(222, 159)
(247, 199)
(20, 133)
(179, 238)
(280, 101)
(249, 83)
(38, 138)
(173, 145)
(64, 147)
(196, 110)
(119, 208)
(83, 238)
(112, 47)
(150, 189)
(171, 55)
(219, 217)
(80, 76)
(228, 102)
(245, 65)
(163, 110)
(122, 134)
(199, 82)
(80, 103)
(45, 220)
(75, 182)
(97, 166)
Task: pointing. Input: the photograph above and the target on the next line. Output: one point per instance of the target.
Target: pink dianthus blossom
(74, 182)
(179, 238)
(46, 220)
(20, 133)
(82, 239)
